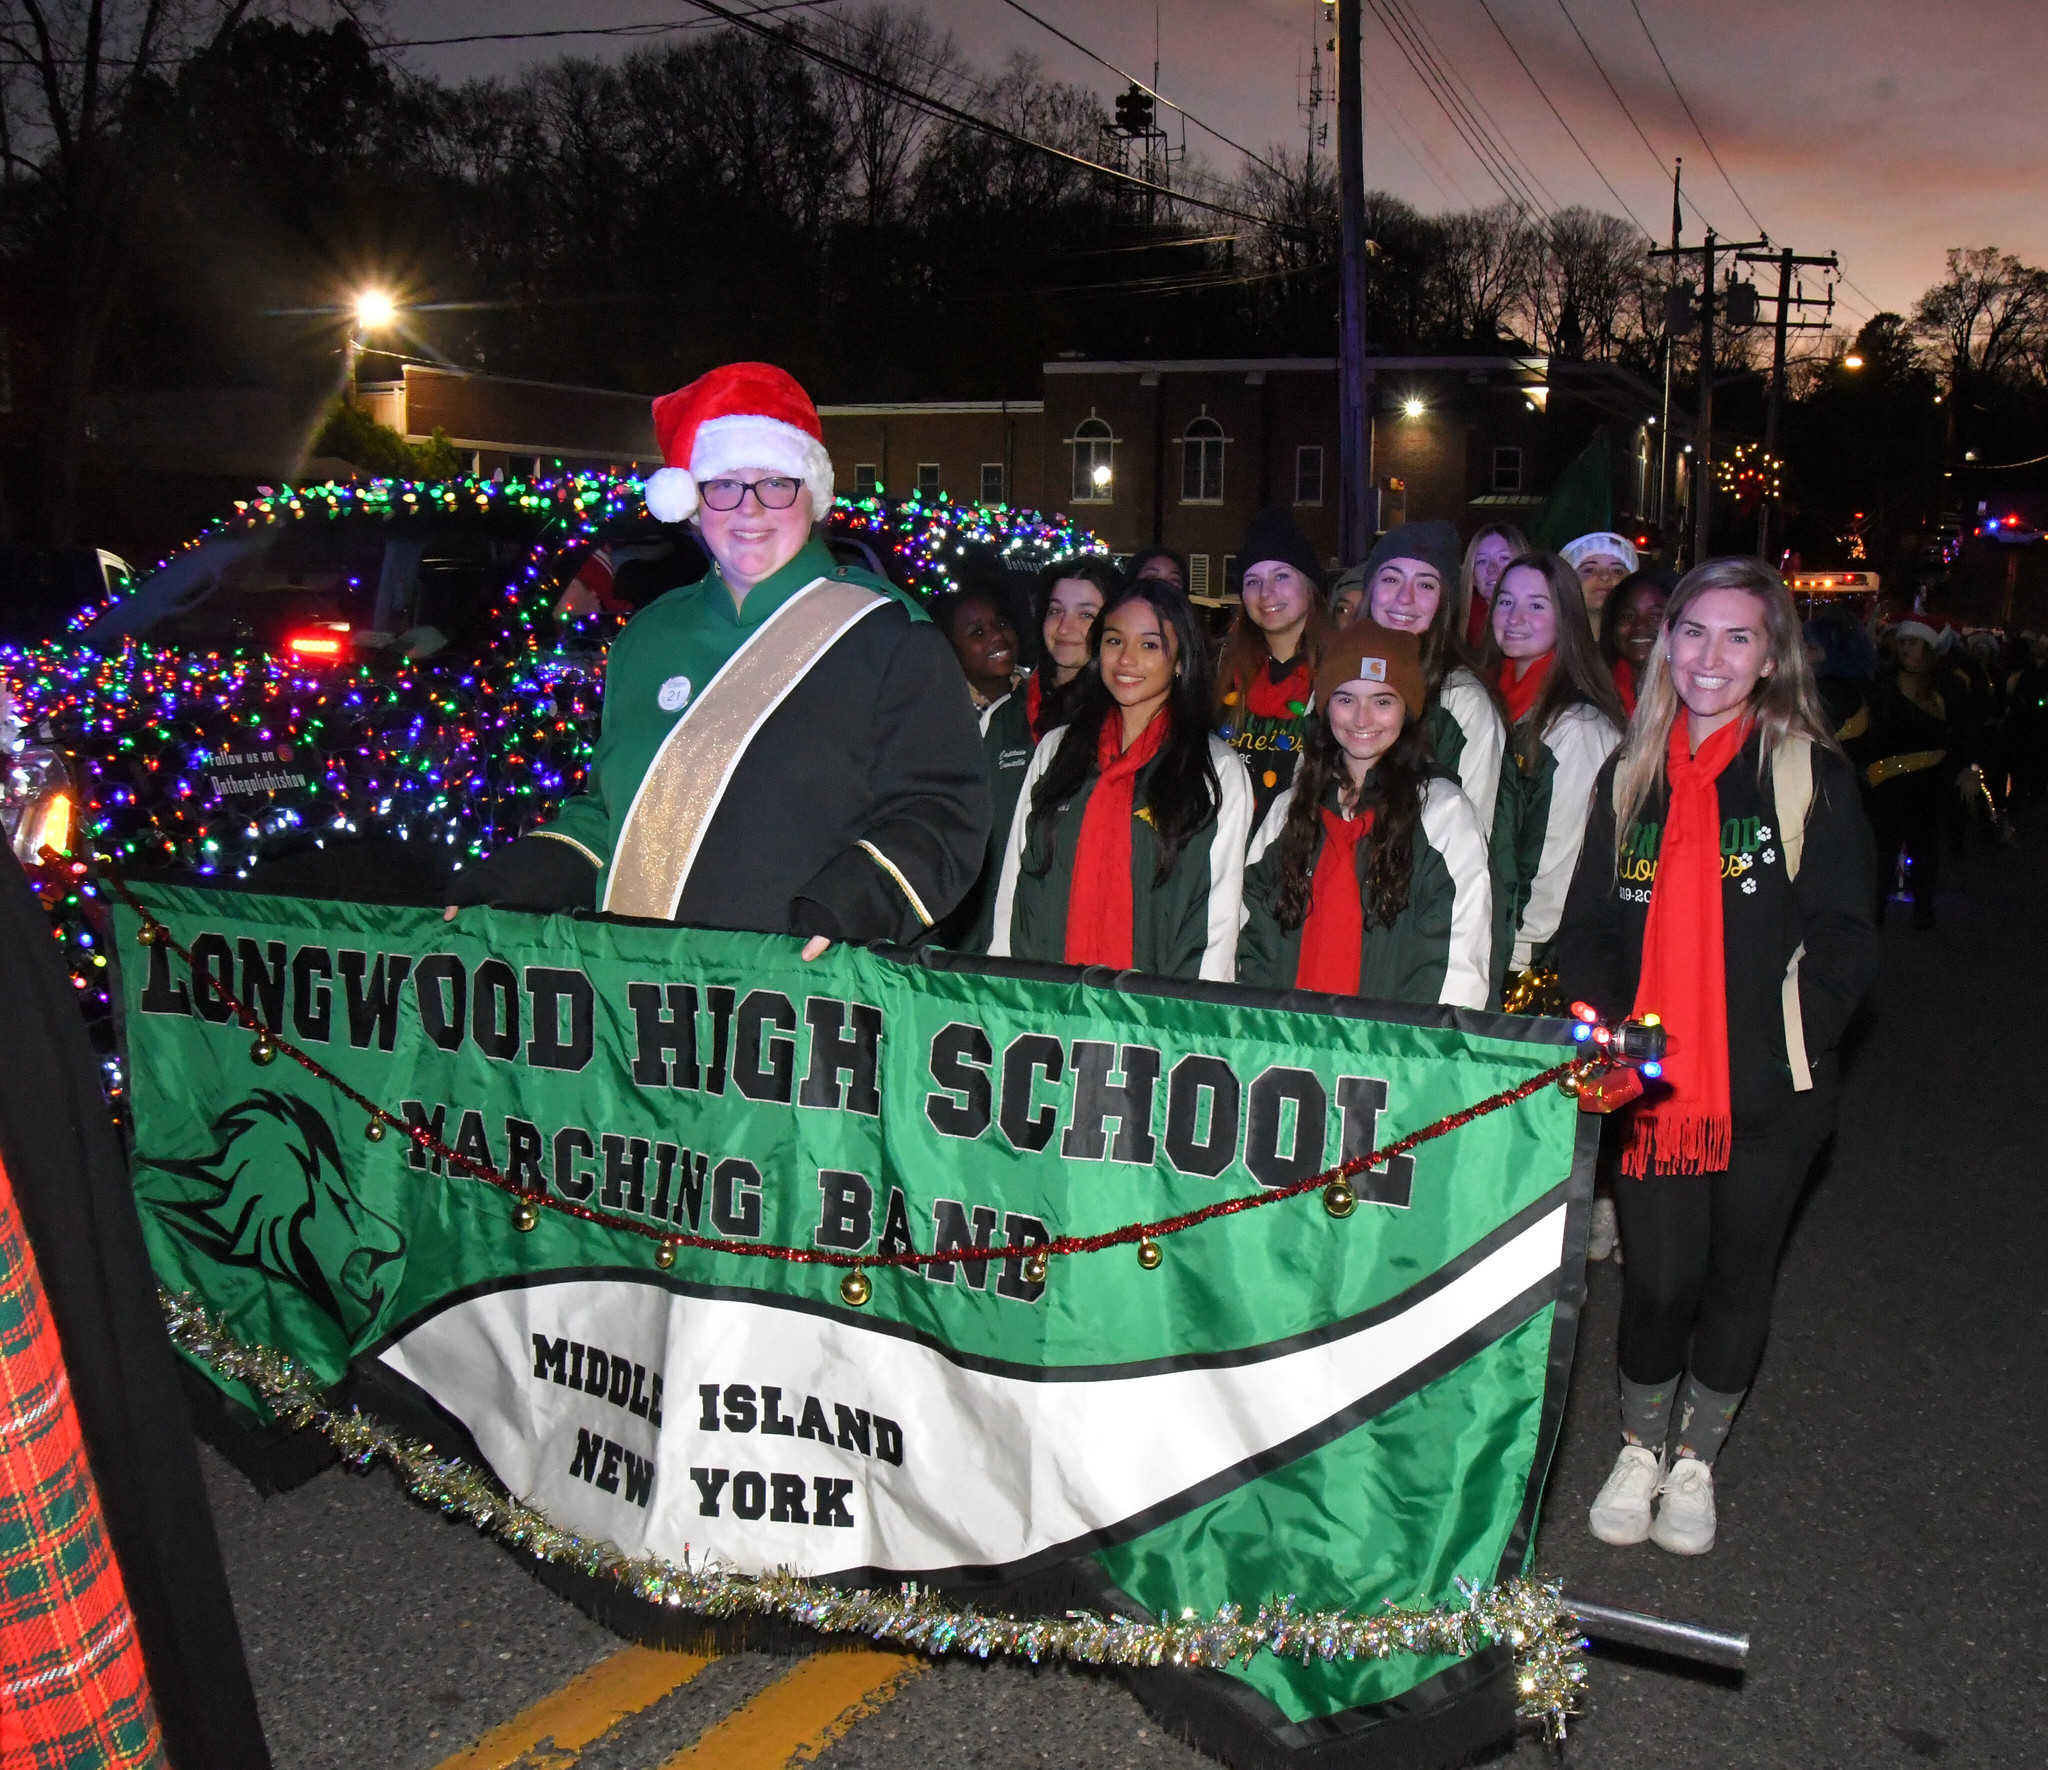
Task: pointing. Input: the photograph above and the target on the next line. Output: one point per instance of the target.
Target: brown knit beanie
(1366, 651)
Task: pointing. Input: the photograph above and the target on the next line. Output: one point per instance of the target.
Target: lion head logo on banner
(318, 1236)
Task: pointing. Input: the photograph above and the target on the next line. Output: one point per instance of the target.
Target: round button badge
(675, 694)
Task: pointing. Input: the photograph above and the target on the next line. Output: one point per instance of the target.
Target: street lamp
(1413, 407)
(1852, 361)
(375, 310)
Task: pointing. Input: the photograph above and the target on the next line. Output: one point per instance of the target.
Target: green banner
(1352, 1410)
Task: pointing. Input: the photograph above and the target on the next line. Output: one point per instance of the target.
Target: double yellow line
(791, 1722)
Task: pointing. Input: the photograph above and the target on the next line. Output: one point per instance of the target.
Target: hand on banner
(814, 948)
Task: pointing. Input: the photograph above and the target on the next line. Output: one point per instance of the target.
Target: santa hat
(1913, 627)
(1593, 546)
(743, 415)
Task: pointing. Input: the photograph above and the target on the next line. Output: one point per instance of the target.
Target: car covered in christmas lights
(354, 688)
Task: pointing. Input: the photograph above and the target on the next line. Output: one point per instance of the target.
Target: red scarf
(1521, 696)
(1333, 937)
(1099, 906)
(1625, 685)
(1034, 704)
(1684, 978)
(1285, 699)
(1476, 621)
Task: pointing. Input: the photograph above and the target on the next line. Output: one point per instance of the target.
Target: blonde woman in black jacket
(1726, 884)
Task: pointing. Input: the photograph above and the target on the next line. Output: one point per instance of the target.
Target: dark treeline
(168, 223)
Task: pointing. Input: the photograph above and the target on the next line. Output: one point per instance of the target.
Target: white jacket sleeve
(1226, 863)
(1486, 742)
(1451, 827)
(1579, 740)
(1013, 849)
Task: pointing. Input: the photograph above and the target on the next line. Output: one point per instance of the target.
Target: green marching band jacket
(1183, 927)
(1539, 824)
(805, 764)
(1006, 746)
(1440, 947)
(1468, 740)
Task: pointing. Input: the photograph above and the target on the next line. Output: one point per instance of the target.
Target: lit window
(867, 479)
(1308, 474)
(1507, 470)
(1094, 446)
(1201, 462)
(992, 482)
(928, 480)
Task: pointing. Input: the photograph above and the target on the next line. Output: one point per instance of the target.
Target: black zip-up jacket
(1765, 918)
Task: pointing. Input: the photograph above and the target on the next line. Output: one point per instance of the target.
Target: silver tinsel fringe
(1525, 1614)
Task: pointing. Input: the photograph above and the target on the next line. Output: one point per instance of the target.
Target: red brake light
(321, 642)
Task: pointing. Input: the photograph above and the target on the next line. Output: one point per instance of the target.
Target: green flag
(1582, 501)
(1353, 1410)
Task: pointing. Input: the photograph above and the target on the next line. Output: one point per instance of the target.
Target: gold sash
(685, 782)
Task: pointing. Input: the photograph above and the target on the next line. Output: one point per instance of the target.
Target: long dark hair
(1056, 700)
(1393, 794)
(1577, 674)
(1183, 793)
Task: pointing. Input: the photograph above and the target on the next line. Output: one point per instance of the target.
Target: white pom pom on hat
(742, 415)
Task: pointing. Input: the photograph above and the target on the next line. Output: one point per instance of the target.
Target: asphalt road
(1881, 1538)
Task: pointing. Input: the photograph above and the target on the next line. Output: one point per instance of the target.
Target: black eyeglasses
(777, 492)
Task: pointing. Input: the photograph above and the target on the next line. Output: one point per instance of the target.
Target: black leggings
(1701, 1252)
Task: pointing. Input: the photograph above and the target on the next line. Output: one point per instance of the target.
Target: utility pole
(1703, 424)
(1355, 524)
(1787, 262)
(1664, 423)
(1703, 428)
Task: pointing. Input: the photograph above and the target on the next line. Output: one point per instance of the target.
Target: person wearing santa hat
(785, 746)
(1602, 560)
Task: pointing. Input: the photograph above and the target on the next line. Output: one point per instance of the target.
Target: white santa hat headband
(1586, 547)
(743, 415)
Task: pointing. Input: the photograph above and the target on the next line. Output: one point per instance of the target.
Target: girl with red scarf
(1563, 724)
(1266, 675)
(1369, 876)
(1726, 885)
(1635, 616)
(1127, 849)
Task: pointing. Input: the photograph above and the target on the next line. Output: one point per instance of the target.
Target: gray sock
(1704, 1416)
(1646, 1412)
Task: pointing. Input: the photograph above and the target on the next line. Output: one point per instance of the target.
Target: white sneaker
(1621, 1515)
(1685, 1514)
(1606, 1230)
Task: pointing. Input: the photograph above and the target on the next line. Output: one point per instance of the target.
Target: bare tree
(1487, 257)
(1984, 317)
(76, 119)
(880, 131)
(1586, 265)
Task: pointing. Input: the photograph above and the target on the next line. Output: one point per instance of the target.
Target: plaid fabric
(73, 1692)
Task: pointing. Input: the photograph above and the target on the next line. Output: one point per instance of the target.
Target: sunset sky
(1884, 130)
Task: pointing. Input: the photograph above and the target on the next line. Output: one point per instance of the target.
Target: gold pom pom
(665, 1255)
(855, 1290)
(263, 1051)
(149, 933)
(1149, 1255)
(374, 1130)
(525, 1214)
(1338, 1198)
(1035, 1266)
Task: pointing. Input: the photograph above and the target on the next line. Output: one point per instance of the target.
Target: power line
(1559, 115)
(801, 45)
(1470, 102)
(1629, 114)
(1463, 124)
(1393, 105)
(1695, 122)
(1100, 61)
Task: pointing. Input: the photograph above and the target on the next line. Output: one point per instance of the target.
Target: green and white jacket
(1440, 948)
(1184, 927)
(1546, 795)
(1468, 739)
